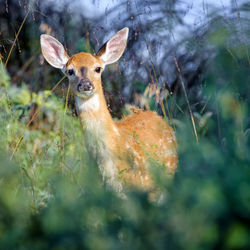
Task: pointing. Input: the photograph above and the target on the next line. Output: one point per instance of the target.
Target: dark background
(186, 60)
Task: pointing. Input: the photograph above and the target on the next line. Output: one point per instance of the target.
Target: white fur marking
(91, 104)
(168, 163)
(136, 154)
(116, 131)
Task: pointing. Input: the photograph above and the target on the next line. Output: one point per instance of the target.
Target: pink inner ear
(53, 48)
(115, 47)
(56, 49)
(116, 43)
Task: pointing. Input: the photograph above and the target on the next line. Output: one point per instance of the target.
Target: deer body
(122, 150)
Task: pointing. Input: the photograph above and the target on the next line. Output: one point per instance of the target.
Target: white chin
(85, 94)
(90, 103)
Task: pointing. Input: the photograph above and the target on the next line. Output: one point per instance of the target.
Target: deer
(122, 150)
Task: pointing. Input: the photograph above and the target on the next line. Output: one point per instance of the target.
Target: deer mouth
(84, 89)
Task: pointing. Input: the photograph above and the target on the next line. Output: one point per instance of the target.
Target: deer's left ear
(53, 51)
(113, 49)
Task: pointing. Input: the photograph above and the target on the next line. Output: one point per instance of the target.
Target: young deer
(122, 150)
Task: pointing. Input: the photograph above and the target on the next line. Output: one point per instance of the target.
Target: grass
(52, 195)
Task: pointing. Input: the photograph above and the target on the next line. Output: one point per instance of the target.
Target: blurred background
(189, 61)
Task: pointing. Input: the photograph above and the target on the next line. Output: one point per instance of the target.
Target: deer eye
(71, 72)
(98, 69)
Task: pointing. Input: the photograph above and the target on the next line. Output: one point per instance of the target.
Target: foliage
(52, 195)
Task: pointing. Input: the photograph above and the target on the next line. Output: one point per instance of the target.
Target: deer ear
(53, 51)
(113, 49)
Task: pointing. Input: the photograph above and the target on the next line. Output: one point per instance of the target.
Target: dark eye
(71, 72)
(98, 69)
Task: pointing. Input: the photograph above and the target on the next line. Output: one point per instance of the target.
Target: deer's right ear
(112, 50)
(53, 51)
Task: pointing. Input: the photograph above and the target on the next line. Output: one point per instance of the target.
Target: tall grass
(52, 195)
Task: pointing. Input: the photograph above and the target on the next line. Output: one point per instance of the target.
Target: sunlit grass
(53, 197)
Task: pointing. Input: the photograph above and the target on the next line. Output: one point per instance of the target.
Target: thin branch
(16, 37)
(186, 98)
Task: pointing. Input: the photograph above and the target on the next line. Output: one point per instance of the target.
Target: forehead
(83, 59)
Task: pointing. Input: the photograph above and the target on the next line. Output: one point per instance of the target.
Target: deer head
(83, 69)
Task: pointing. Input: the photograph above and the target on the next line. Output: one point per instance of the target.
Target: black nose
(84, 86)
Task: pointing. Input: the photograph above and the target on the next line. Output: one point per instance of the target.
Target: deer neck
(94, 109)
(100, 135)
(99, 129)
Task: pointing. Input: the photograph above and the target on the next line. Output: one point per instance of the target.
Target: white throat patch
(91, 104)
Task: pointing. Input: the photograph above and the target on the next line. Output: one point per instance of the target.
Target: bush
(52, 195)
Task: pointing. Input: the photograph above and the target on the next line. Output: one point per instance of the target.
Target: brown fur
(123, 150)
(143, 135)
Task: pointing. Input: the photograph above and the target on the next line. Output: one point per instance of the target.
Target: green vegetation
(52, 195)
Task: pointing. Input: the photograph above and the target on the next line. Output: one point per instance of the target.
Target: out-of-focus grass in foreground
(52, 197)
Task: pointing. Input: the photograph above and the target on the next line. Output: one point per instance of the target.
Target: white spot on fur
(141, 178)
(168, 163)
(116, 131)
(91, 104)
(136, 155)
(169, 152)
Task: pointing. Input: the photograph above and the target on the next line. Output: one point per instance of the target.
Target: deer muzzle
(85, 86)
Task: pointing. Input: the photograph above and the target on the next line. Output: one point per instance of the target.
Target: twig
(16, 37)
(186, 98)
